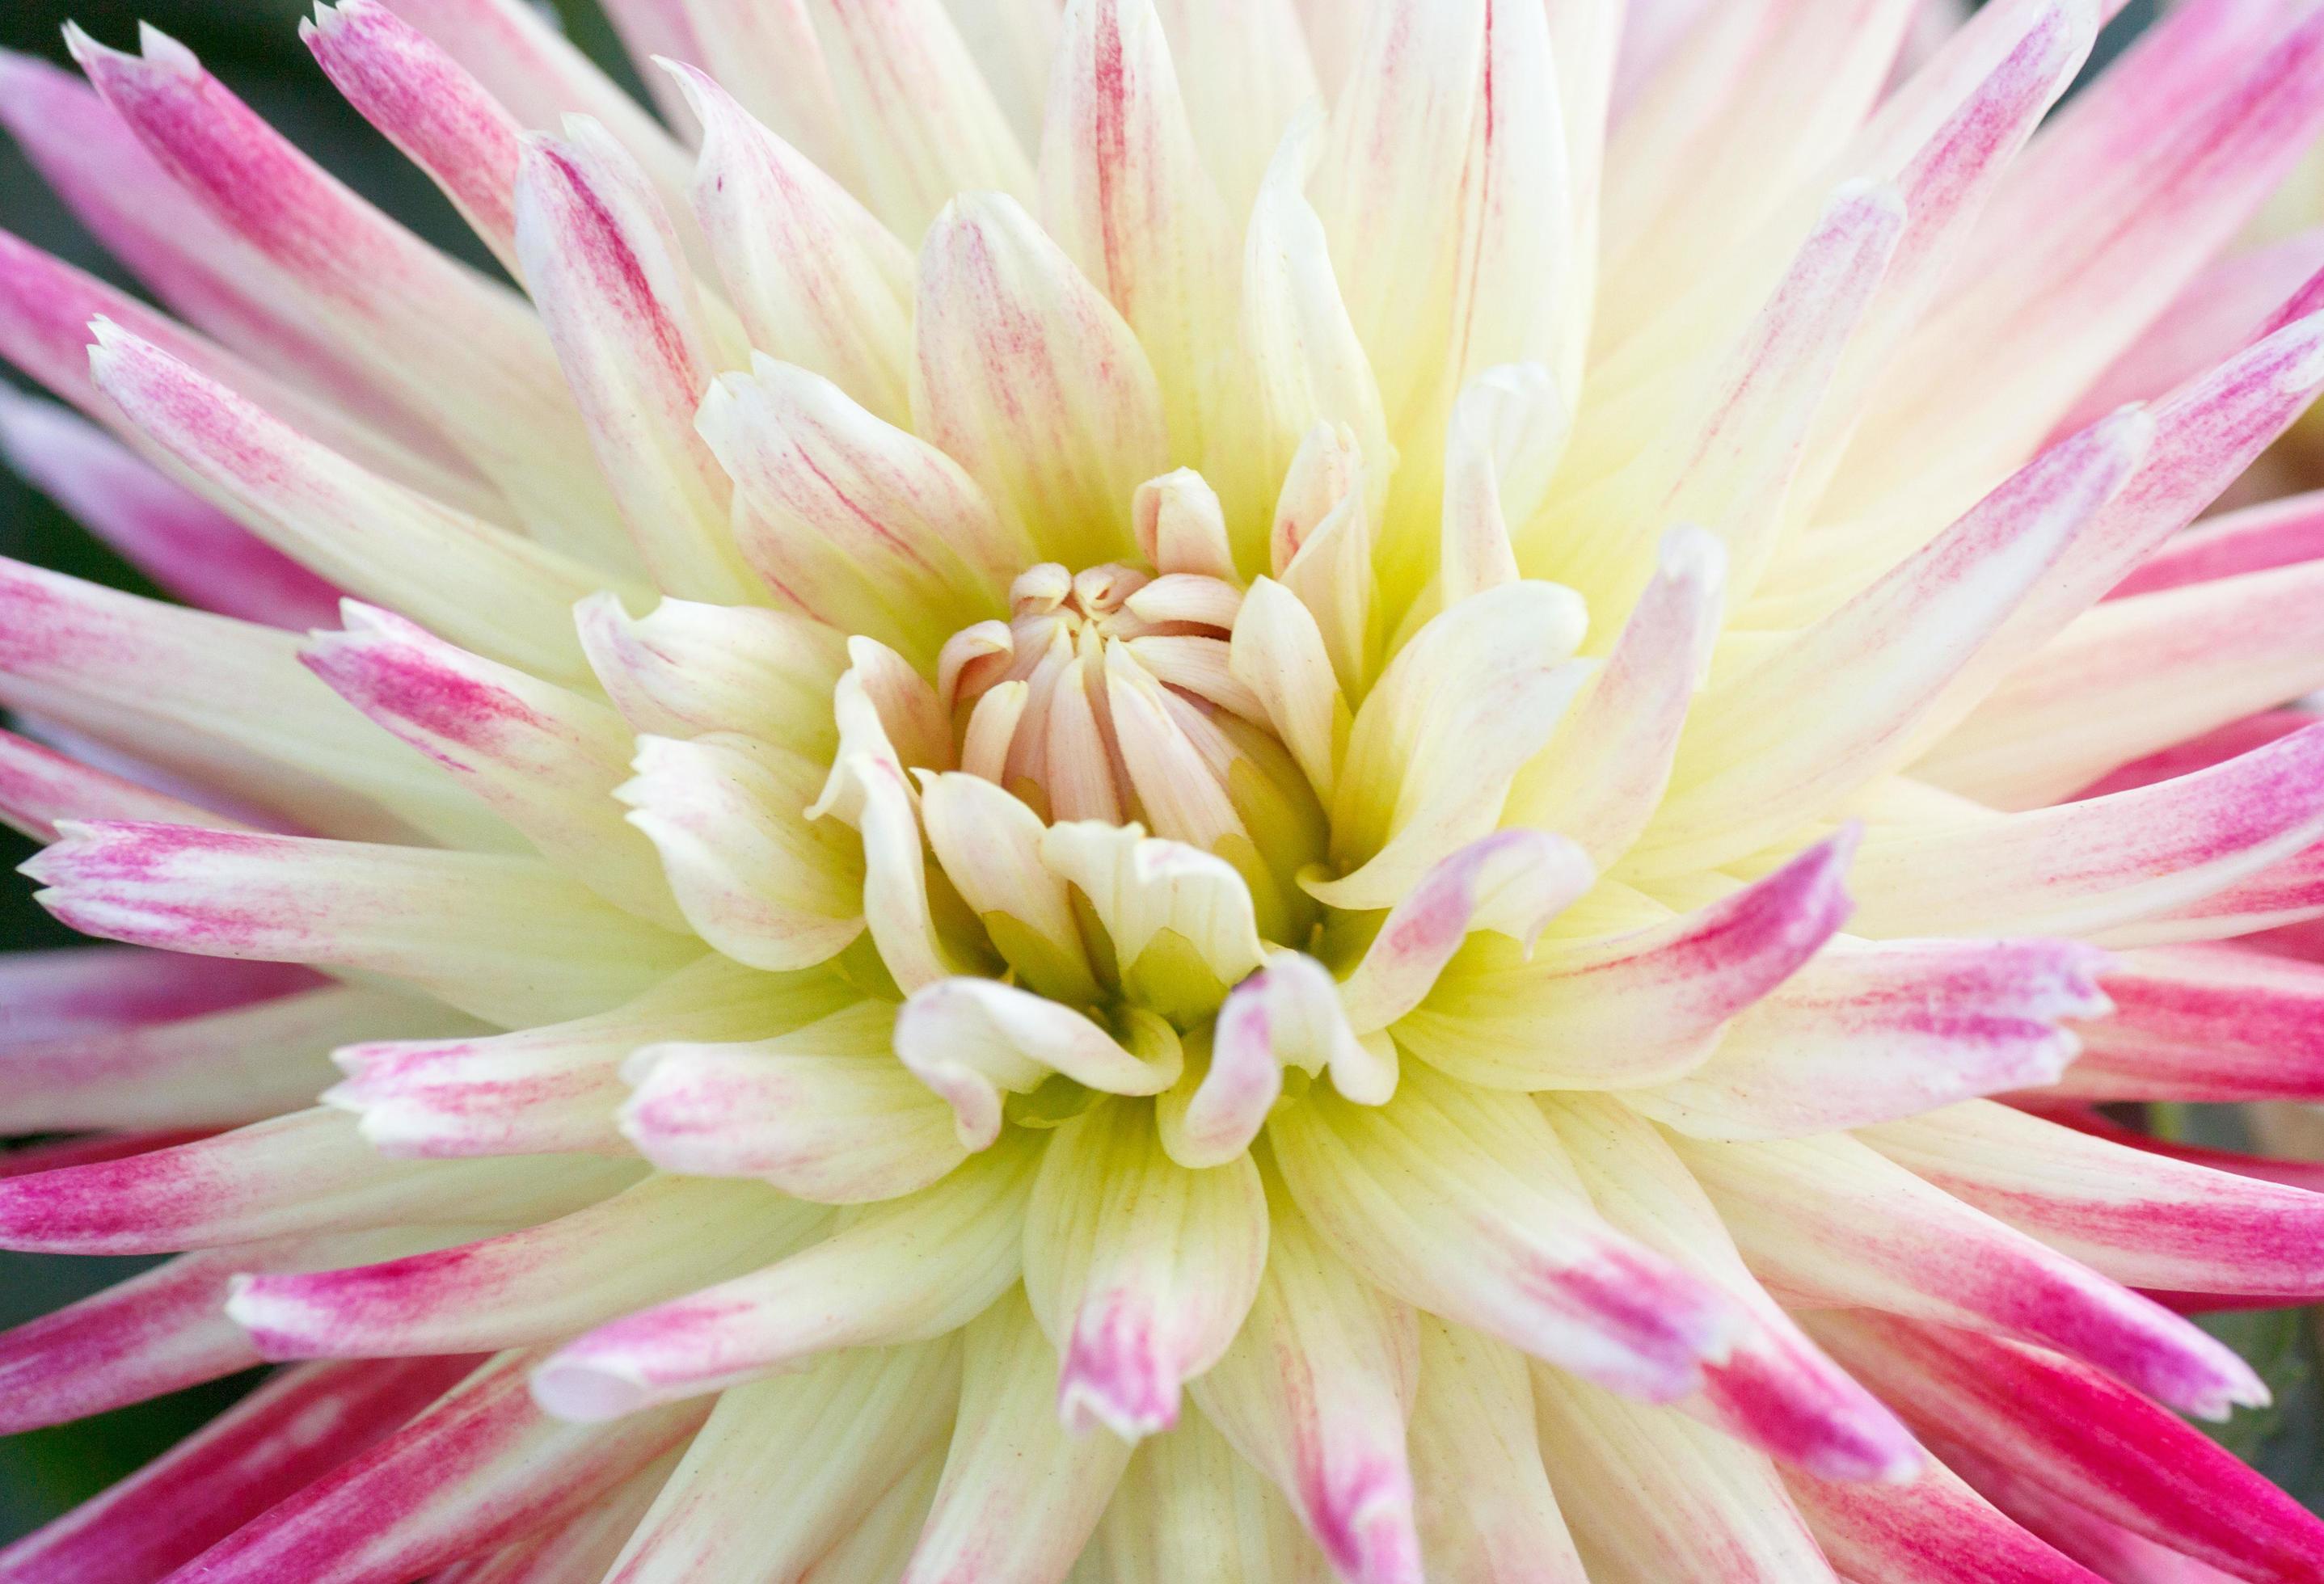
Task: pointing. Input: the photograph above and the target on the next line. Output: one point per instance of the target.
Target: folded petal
(639, 1247)
(1032, 382)
(973, 1040)
(1635, 1008)
(989, 843)
(826, 1112)
(853, 520)
(742, 1503)
(2138, 1217)
(1019, 1495)
(1161, 903)
(1315, 1392)
(753, 875)
(1277, 652)
(1830, 1221)
(902, 1271)
(542, 756)
(1869, 1033)
(304, 1172)
(505, 938)
(1462, 1199)
(688, 669)
(818, 281)
(1139, 1270)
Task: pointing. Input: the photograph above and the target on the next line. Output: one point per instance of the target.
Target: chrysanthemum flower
(1070, 821)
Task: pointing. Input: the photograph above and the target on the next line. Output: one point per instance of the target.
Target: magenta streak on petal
(187, 545)
(422, 100)
(1789, 1401)
(2282, 533)
(159, 1331)
(401, 682)
(90, 1149)
(291, 1432)
(1363, 1518)
(2090, 1440)
(2207, 1023)
(1117, 1369)
(621, 288)
(77, 990)
(2200, 754)
(1653, 1322)
(1934, 1531)
(2086, 1118)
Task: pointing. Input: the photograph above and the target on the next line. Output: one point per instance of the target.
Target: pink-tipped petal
(1934, 1531)
(1637, 1008)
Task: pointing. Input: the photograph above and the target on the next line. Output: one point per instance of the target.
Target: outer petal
(1462, 1199)
(1488, 1515)
(1019, 1495)
(1028, 377)
(303, 1172)
(898, 1272)
(1140, 1269)
(1933, 1531)
(477, 583)
(1830, 1221)
(430, 331)
(2084, 1438)
(544, 758)
(189, 547)
(545, 1282)
(504, 938)
(743, 1503)
(479, 1467)
(2205, 1023)
(603, 263)
(1314, 1393)
(1866, 1034)
(1189, 1506)
(293, 1431)
(825, 1112)
(687, 670)
(554, 1087)
(2138, 1217)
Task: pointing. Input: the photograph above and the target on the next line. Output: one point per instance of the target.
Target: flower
(1124, 831)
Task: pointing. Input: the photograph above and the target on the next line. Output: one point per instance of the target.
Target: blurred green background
(254, 45)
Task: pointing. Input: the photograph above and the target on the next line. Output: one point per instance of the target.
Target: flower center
(1110, 695)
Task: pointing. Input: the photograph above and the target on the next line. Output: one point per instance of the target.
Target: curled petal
(1288, 1015)
(971, 1040)
(1144, 889)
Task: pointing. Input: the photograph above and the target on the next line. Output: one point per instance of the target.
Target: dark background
(254, 45)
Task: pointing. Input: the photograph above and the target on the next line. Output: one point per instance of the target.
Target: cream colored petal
(990, 845)
(1191, 1507)
(1436, 744)
(688, 669)
(753, 877)
(1508, 430)
(1143, 888)
(1278, 652)
(1486, 1512)
(1030, 379)
(1138, 1269)
(1181, 527)
(1019, 1495)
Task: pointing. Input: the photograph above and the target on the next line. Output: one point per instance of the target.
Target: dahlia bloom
(1173, 790)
